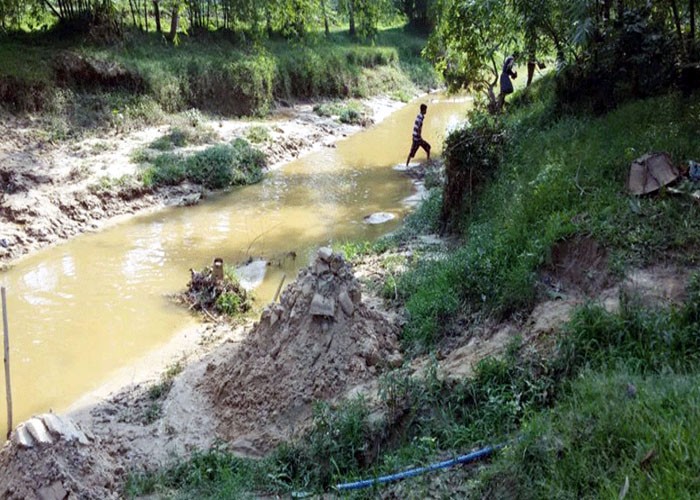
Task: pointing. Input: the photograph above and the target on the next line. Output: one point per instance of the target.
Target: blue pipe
(463, 459)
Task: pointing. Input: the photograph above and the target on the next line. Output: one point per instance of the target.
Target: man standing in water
(418, 141)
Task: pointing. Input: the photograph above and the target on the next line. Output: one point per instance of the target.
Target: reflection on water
(83, 309)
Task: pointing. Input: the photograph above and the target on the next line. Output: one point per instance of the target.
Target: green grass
(610, 429)
(561, 177)
(216, 167)
(220, 75)
(179, 137)
(258, 134)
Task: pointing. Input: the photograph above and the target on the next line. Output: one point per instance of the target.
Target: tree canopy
(266, 18)
(617, 38)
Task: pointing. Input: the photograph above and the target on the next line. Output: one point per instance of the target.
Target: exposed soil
(253, 386)
(51, 192)
(319, 341)
(578, 266)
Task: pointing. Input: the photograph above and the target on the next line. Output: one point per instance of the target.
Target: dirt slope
(320, 340)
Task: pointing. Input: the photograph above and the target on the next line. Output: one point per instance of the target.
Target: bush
(216, 167)
(472, 155)
(339, 444)
(635, 59)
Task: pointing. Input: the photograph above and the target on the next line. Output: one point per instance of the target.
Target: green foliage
(180, 137)
(559, 178)
(216, 167)
(167, 170)
(215, 73)
(258, 134)
(610, 430)
(351, 112)
(430, 291)
(425, 219)
(229, 303)
(355, 249)
(472, 157)
(338, 444)
(215, 473)
(642, 339)
(634, 59)
(467, 40)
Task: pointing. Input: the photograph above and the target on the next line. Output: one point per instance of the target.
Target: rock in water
(379, 218)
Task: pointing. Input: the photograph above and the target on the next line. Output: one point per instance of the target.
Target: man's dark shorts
(418, 143)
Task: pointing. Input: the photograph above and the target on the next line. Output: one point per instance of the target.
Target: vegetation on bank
(137, 81)
(627, 378)
(606, 407)
(216, 167)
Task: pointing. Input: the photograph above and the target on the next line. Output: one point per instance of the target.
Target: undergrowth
(559, 177)
(216, 167)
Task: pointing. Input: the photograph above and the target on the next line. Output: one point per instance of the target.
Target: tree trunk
(325, 17)
(531, 64)
(145, 16)
(677, 20)
(133, 13)
(156, 12)
(691, 8)
(268, 20)
(351, 14)
(174, 22)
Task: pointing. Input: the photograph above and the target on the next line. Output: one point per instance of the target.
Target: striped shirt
(418, 127)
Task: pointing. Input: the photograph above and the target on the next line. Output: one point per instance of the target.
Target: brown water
(82, 310)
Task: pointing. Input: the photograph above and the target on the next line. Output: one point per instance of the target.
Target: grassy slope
(214, 72)
(616, 402)
(562, 177)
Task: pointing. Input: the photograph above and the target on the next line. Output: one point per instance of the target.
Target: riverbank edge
(59, 197)
(185, 346)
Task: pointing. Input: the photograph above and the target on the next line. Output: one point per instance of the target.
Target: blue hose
(463, 459)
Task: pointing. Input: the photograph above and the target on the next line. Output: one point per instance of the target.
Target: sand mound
(55, 462)
(318, 342)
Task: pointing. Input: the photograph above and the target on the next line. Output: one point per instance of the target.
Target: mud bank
(252, 386)
(52, 192)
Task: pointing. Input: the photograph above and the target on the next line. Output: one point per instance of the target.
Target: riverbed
(97, 304)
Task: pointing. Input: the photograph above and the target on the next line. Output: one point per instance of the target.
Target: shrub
(472, 155)
(216, 167)
(338, 444)
(258, 134)
(635, 59)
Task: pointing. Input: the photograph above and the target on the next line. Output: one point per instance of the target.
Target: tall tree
(470, 41)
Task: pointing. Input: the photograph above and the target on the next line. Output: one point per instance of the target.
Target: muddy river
(83, 310)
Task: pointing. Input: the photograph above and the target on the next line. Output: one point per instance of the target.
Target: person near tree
(507, 73)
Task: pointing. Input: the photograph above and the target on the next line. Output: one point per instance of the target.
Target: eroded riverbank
(52, 192)
(97, 303)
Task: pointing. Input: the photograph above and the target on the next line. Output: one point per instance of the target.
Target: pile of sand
(52, 464)
(316, 344)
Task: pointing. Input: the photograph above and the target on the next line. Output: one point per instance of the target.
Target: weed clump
(472, 155)
(208, 294)
(216, 167)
